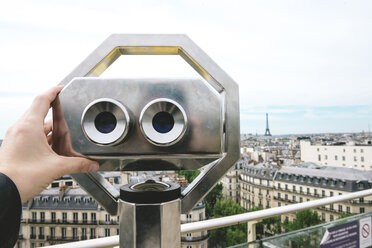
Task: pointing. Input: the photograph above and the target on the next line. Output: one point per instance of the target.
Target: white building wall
(357, 157)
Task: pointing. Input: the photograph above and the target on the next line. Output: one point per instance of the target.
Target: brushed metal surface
(150, 225)
(202, 132)
(176, 44)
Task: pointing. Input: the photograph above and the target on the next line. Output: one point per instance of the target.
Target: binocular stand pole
(150, 215)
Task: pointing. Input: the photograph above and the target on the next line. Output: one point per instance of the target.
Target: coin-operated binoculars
(149, 124)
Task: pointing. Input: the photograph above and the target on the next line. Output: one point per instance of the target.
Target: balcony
(41, 236)
(61, 222)
(62, 238)
(195, 239)
(32, 236)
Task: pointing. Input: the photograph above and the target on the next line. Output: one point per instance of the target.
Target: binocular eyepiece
(106, 122)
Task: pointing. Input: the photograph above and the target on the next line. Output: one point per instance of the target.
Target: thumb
(73, 165)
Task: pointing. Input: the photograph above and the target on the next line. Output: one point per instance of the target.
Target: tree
(227, 236)
(345, 215)
(211, 199)
(304, 219)
(190, 175)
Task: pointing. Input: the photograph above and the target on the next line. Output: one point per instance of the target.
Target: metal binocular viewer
(149, 124)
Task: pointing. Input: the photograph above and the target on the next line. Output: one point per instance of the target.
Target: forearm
(10, 212)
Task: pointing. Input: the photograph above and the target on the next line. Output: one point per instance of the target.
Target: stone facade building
(65, 213)
(266, 186)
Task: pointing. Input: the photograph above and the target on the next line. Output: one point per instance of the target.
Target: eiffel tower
(267, 132)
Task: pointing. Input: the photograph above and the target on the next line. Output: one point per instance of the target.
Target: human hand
(26, 156)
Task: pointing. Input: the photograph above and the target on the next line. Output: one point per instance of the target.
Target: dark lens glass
(105, 122)
(163, 122)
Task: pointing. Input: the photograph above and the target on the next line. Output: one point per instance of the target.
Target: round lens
(105, 122)
(163, 122)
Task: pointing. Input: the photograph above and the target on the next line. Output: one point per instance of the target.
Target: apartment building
(351, 155)
(195, 239)
(267, 186)
(65, 213)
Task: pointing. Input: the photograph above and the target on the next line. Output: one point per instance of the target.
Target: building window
(323, 216)
(362, 159)
(294, 199)
(286, 197)
(93, 217)
(64, 217)
(33, 216)
(83, 233)
(294, 188)
(361, 200)
(319, 158)
(286, 187)
(340, 208)
(107, 232)
(53, 214)
(301, 200)
(331, 193)
(323, 193)
(331, 207)
(343, 158)
(317, 149)
(308, 191)
(278, 185)
(201, 216)
(63, 232)
(188, 217)
(361, 150)
(188, 236)
(301, 190)
(75, 217)
(92, 233)
(279, 196)
(117, 231)
(361, 210)
(85, 217)
(331, 217)
(336, 158)
(107, 218)
(279, 204)
(74, 233)
(325, 157)
(33, 231)
(315, 192)
(348, 210)
(41, 232)
(52, 232)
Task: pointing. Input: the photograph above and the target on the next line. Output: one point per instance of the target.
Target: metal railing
(229, 220)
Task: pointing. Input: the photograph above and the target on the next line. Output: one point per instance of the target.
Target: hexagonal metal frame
(166, 44)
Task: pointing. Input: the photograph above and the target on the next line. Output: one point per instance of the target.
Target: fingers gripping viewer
(28, 164)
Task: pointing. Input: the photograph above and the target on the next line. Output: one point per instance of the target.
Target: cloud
(281, 53)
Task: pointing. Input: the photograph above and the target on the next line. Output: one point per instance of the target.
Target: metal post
(150, 215)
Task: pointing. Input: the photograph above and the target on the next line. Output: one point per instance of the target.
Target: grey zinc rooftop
(344, 179)
(72, 199)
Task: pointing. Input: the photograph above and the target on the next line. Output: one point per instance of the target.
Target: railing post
(251, 229)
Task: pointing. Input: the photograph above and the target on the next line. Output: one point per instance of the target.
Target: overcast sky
(306, 63)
